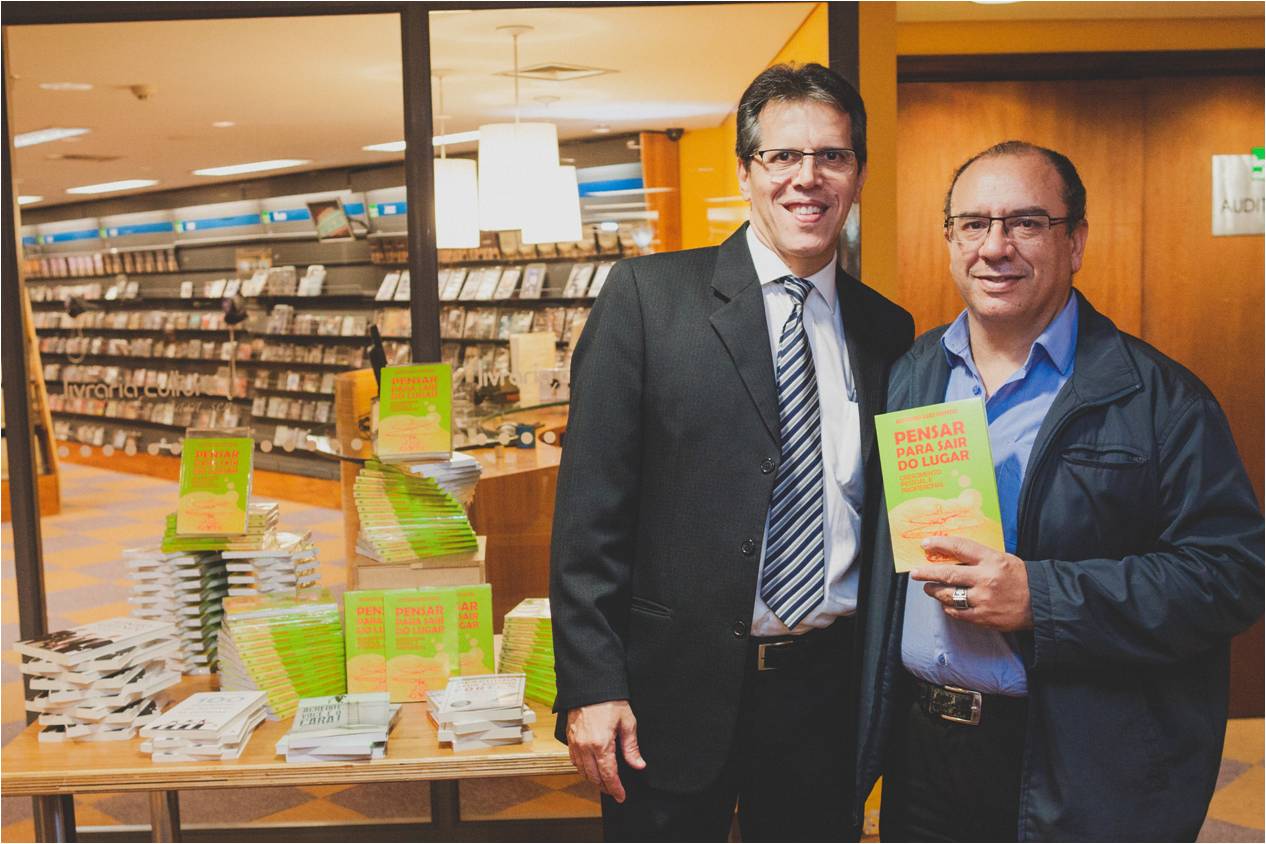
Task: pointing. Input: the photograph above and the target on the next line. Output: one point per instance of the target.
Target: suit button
(767, 465)
(740, 629)
(749, 547)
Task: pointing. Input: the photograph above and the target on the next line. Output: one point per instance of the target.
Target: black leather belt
(963, 706)
(773, 652)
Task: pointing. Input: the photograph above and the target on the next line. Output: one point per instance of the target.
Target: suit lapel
(741, 325)
(865, 358)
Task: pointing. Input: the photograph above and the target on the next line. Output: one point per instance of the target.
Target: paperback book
(938, 478)
(215, 483)
(340, 728)
(415, 413)
(421, 641)
(206, 726)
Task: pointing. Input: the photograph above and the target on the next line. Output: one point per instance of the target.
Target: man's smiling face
(1002, 282)
(800, 216)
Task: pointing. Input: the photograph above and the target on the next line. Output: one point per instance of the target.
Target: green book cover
(415, 411)
(421, 641)
(215, 483)
(366, 641)
(938, 478)
(474, 613)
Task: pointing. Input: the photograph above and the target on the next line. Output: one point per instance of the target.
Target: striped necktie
(793, 580)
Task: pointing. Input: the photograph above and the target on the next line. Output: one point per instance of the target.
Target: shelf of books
(135, 346)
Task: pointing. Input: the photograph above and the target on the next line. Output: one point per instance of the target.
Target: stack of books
(100, 681)
(484, 711)
(406, 517)
(204, 727)
(340, 728)
(261, 524)
(527, 646)
(288, 645)
(287, 562)
(184, 590)
(457, 476)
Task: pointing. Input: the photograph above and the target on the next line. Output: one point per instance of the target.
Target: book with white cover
(92, 641)
(341, 715)
(482, 691)
(207, 715)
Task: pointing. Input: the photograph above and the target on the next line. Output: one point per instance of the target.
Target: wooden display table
(32, 769)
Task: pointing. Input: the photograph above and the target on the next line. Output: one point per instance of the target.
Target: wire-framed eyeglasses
(783, 162)
(973, 228)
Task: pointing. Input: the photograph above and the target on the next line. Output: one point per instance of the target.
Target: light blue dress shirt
(933, 646)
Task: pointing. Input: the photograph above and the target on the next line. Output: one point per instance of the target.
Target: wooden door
(1143, 148)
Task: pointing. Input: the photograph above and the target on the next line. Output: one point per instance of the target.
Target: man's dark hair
(1074, 190)
(790, 83)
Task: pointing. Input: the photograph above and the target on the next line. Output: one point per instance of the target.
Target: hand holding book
(996, 583)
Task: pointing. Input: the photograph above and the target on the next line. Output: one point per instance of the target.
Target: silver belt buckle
(760, 654)
(975, 707)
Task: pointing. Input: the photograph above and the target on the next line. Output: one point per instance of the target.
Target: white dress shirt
(841, 435)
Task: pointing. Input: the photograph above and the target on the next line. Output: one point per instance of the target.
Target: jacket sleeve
(596, 505)
(1201, 585)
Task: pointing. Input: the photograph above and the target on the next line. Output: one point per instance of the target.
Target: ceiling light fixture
(438, 140)
(557, 216)
(44, 136)
(456, 191)
(109, 187)
(252, 167)
(29, 200)
(66, 86)
(517, 162)
(223, 124)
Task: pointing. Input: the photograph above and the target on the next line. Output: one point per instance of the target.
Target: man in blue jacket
(1073, 686)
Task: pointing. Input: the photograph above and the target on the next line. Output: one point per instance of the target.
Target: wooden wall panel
(1096, 124)
(1202, 295)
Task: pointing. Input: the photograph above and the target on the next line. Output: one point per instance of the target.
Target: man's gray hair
(792, 83)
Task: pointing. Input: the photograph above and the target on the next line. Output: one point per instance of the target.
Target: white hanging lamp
(558, 216)
(516, 161)
(456, 193)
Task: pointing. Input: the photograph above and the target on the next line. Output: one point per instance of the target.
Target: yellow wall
(877, 77)
(708, 169)
(1068, 36)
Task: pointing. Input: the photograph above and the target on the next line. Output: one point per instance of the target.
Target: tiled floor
(104, 512)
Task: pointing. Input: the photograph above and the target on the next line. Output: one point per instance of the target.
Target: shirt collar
(770, 268)
(1058, 340)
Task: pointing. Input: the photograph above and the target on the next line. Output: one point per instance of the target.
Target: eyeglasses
(969, 228)
(784, 162)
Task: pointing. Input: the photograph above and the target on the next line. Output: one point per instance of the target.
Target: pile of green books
(286, 644)
(405, 517)
(527, 647)
(261, 525)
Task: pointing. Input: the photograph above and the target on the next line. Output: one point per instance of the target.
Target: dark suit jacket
(662, 499)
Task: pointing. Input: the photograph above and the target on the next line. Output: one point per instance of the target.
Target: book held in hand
(938, 478)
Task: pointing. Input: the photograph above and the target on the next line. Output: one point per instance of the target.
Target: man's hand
(592, 734)
(997, 584)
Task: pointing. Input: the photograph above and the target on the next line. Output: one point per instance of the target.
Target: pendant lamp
(456, 193)
(558, 215)
(516, 162)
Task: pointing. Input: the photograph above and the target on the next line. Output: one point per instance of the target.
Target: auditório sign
(1239, 206)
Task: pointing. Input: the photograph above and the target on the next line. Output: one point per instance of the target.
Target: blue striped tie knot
(798, 288)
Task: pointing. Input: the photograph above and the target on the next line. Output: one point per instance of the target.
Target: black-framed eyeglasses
(973, 228)
(783, 162)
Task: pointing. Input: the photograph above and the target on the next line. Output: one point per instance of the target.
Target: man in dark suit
(718, 472)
